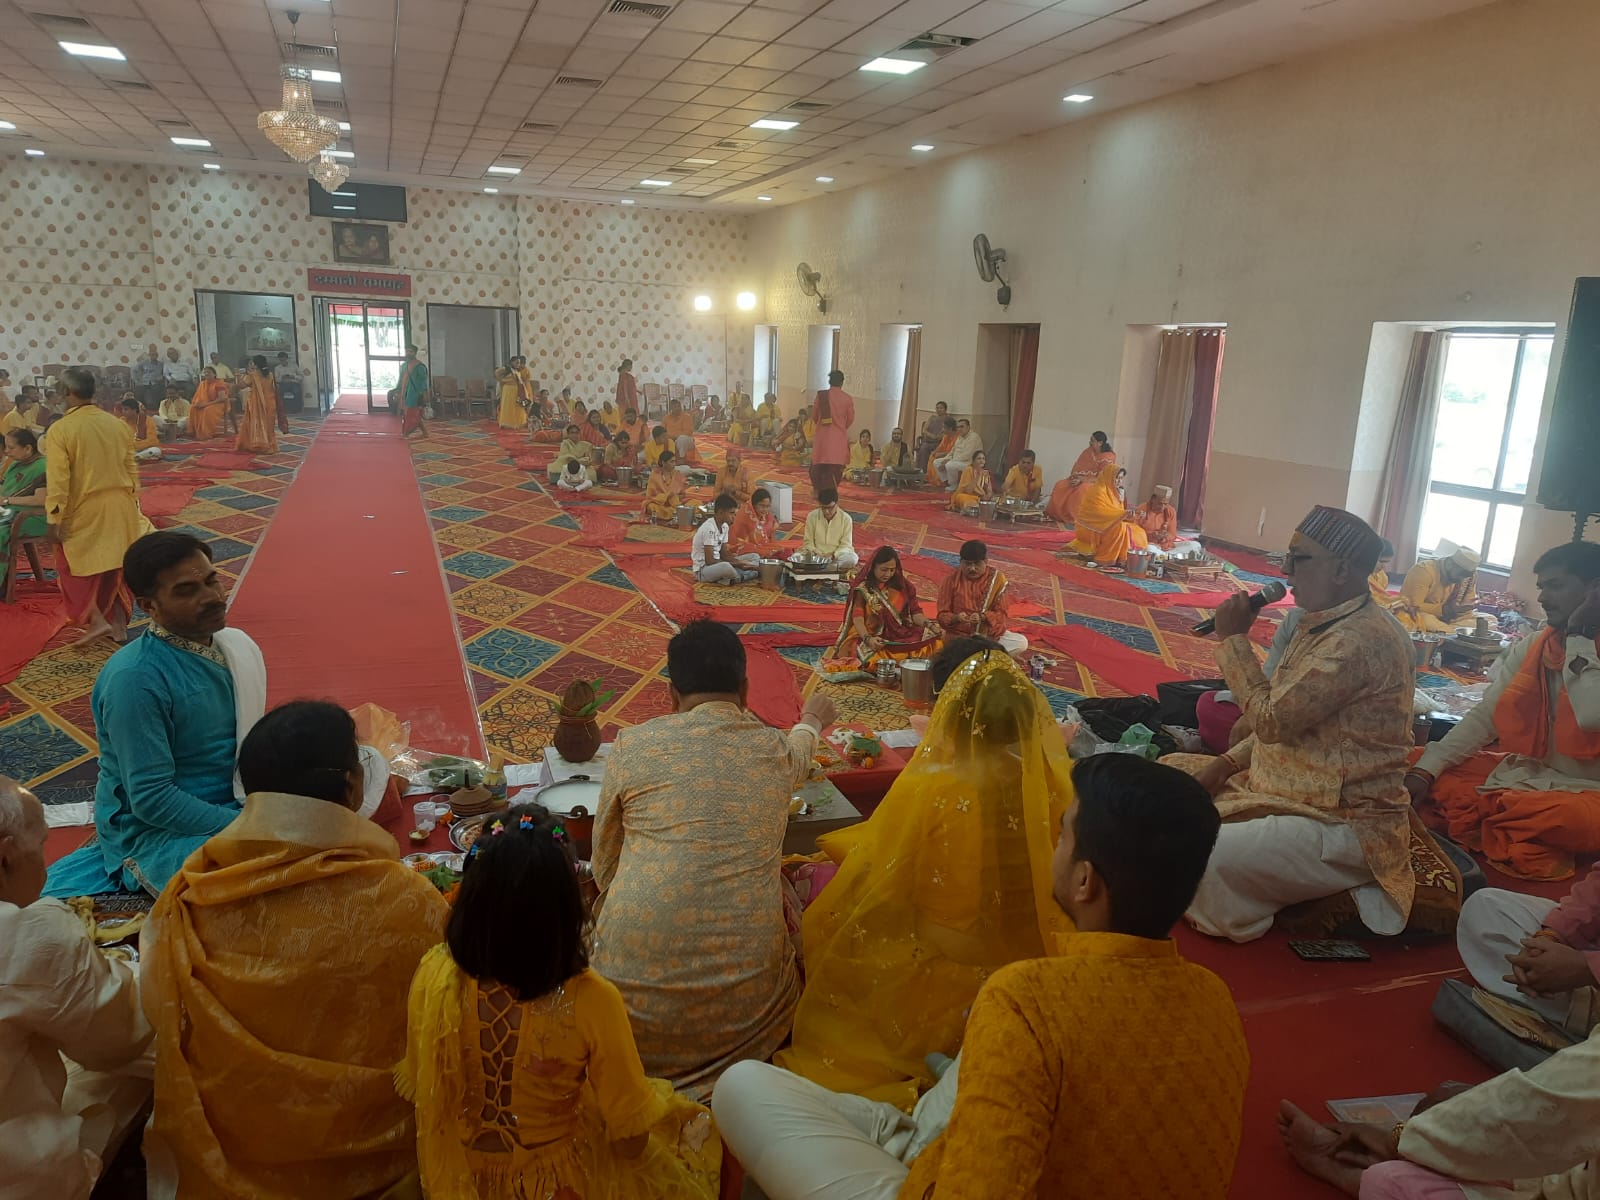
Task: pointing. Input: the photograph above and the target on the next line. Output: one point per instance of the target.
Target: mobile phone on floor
(1329, 951)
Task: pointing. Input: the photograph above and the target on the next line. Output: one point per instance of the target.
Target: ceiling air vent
(132, 85)
(582, 81)
(633, 8)
(935, 44)
(679, 170)
(729, 144)
(307, 50)
(60, 20)
(173, 123)
(538, 127)
(806, 106)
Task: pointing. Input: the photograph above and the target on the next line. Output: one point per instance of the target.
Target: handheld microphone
(1270, 594)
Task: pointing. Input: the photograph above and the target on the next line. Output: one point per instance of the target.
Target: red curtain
(1022, 401)
(1202, 417)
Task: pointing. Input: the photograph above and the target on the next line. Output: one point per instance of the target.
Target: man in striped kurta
(688, 842)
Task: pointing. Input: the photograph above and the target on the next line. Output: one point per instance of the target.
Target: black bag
(1178, 700)
(1109, 717)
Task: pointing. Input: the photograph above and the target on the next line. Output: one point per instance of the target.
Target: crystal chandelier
(329, 172)
(296, 129)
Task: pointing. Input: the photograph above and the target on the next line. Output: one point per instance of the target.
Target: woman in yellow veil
(947, 882)
(1103, 531)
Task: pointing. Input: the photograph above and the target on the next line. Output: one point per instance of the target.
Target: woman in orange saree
(664, 492)
(1066, 495)
(1104, 532)
(882, 622)
(257, 433)
(976, 484)
(209, 406)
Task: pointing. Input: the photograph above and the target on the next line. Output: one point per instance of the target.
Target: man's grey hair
(13, 816)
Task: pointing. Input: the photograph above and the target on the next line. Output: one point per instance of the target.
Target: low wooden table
(829, 811)
(1018, 514)
(800, 577)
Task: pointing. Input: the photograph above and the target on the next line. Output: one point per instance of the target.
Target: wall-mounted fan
(990, 259)
(810, 283)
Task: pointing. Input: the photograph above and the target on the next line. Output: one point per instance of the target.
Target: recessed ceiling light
(32, 153)
(200, 143)
(745, 300)
(6, 125)
(923, 146)
(87, 50)
(492, 191)
(340, 153)
(1078, 98)
(703, 162)
(773, 123)
(625, 200)
(344, 208)
(824, 178)
(211, 166)
(655, 183)
(763, 197)
(346, 195)
(499, 170)
(325, 77)
(893, 66)
(344, 126)
(702, 304)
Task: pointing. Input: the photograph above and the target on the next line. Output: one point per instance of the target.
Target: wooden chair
(447, 397)
(478, 393)
(21, 547)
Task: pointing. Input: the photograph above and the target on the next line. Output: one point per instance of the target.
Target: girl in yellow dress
(515, 395)
(791, 445)
(862, 456)
(976, 483)
(664, 492)
(808, 425)
(519, 1058)
(947, 882)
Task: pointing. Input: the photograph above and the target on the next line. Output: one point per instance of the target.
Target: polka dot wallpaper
(98, 260)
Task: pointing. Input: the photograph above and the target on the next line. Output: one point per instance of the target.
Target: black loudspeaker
(1570, 481)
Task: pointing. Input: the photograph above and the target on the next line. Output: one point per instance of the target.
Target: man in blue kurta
(170, 710)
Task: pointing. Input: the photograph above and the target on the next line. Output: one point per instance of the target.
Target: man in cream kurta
(949, 466)
(830, 531)
(59, 996)
(1312, 801)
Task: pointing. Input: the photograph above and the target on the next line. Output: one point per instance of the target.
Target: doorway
(468, 341)
(361, 349)
(237, 326)
(1002, 395)
(1185, 381)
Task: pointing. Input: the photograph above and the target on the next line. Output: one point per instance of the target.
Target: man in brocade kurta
(92, 507)
(974, 599)
(170, 709)
(835, 413)
(1312, 801)
(688, 841)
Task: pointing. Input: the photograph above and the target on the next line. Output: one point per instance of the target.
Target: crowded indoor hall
(782, 600)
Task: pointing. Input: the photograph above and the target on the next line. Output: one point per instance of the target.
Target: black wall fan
(990, 259)
(810, 283)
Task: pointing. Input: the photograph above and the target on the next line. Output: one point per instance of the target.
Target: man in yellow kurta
(92, 506)
(1113, 1013)
(1025, 481)
(1439, 593)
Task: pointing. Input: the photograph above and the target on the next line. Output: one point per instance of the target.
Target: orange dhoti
(88, 596)
(1523, 832)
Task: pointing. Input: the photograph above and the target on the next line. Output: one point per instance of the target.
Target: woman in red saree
(1068, 494)
(882, 621)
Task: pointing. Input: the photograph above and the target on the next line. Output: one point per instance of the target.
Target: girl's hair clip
(526, 822)
(472, 851)
(558, 833)
(499, 828)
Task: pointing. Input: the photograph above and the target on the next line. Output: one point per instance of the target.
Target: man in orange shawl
(946, 444)
(1065, 496)
(680, 429)
(734, 478)
(1533, 803)
(974, 600)
(1103, 532)
(275, 973)
(209, 406)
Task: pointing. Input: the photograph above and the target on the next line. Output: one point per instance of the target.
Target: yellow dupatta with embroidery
(275, 971)
(948, 881)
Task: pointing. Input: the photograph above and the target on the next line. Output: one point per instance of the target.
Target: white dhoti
(1491, 928)
(800, 1141)
(1267, 863)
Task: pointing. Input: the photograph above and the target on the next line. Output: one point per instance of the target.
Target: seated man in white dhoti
(1313, 802)
(59, 995)
(170, 710)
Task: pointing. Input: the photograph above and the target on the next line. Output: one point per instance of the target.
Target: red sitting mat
(1134, 671)
(26, 627)
(166, 499)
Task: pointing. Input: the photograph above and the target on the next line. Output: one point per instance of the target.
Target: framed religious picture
(365, 244)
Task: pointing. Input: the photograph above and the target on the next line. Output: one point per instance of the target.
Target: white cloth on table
(60, 996)
(1491, 927)
(800, 1141)
(1267, 863)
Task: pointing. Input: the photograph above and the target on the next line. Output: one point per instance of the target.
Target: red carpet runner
(345, 593)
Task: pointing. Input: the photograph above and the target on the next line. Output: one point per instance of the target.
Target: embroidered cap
(1466, 559)
(1342, 534)
(1163, 491)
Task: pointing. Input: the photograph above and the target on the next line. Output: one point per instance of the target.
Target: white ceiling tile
(820, 33)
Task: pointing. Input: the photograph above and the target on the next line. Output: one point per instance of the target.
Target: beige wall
(99, 259)
(1446, 174)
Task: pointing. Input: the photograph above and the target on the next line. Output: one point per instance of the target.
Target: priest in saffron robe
(1532, 803)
